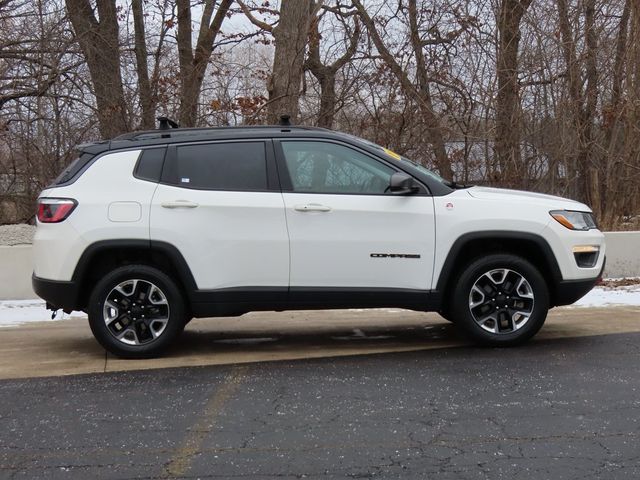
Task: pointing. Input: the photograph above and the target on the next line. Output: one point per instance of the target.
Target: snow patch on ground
(605, 297)
(19, 312)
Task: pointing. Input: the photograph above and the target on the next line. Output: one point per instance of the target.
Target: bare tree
(420, 90)
(541, 94)
(508, 118)
(326, 74)
(193, 64)
(147, 100)
(582, 100)
(98, 39)
(290, 38)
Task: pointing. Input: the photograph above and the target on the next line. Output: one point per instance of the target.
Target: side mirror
(403, 184)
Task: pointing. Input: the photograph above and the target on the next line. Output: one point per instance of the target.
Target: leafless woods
(535, 94)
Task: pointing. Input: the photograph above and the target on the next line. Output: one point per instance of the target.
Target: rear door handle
(312, 207)
(179, 204)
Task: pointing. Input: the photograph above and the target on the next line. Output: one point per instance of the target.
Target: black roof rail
(181, 132)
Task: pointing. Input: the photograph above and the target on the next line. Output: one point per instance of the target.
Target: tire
(445, 313)
(500, 300)
(155, 311)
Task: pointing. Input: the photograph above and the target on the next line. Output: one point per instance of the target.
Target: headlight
(574, 220)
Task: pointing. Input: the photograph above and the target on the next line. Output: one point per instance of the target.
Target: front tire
(136, 311)
(500, 300)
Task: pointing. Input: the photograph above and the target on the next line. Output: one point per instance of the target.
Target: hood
(516, 196)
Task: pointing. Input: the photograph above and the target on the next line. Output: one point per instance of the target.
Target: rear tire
(136, 311)
(500, 300)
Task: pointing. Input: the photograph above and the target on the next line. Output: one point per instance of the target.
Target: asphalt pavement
(557, 408)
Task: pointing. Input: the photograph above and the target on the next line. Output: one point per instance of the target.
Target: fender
(551, 265)
(170, 251)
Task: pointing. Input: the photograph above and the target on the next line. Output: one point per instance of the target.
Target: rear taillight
(54, 210)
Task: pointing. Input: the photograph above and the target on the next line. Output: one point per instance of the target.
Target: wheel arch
(100, 257)
(470, 246)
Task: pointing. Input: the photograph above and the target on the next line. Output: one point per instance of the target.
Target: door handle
(312, 207)
(179, 204)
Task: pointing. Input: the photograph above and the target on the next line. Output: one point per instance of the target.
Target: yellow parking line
(192, 443)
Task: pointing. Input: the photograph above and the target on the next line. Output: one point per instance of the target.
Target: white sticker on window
(185, 180)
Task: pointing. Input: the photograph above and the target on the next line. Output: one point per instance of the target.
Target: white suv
(150, 229)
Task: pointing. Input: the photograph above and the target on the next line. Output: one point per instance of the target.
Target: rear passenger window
(221, 166)
(150, 164)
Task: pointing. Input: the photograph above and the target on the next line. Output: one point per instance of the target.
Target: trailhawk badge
(395, 255)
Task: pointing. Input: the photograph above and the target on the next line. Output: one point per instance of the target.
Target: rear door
(346, 229)
(219, 203)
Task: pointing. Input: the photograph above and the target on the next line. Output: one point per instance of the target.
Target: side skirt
(238, 301)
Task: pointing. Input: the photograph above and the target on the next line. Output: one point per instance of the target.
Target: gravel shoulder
(20, 234)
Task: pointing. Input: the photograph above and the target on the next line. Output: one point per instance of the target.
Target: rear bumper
(59, 295)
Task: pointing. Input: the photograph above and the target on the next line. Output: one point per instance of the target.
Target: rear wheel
(500, 300)
(136, 311)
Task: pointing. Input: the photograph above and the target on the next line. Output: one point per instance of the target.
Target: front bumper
(570, 291)
(59, 295)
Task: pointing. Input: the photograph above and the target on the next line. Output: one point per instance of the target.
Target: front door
(345, 228)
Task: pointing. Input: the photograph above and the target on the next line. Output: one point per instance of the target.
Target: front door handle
(312, 207)
(179, 204)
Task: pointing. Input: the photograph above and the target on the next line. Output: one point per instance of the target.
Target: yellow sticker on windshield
(392, 153)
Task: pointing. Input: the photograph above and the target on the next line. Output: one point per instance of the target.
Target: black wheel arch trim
(175, 257)
(447, 271)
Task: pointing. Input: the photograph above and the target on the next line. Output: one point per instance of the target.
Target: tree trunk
(583, 103)
(147, 102)
(99, 43)
(587, 161)
(290, 39)
(327, 100)
(194, 65)
(326, 74)
(433, 124)
(631, 155)
(508, 108)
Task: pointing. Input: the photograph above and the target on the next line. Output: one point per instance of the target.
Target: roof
(182, 135)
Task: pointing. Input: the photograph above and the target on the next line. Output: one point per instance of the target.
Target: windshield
(423, 169)
(416, 167)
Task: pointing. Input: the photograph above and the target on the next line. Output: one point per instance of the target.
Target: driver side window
(322, 167)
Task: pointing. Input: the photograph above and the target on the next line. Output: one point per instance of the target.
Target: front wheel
(500, 300)
(136, 311)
